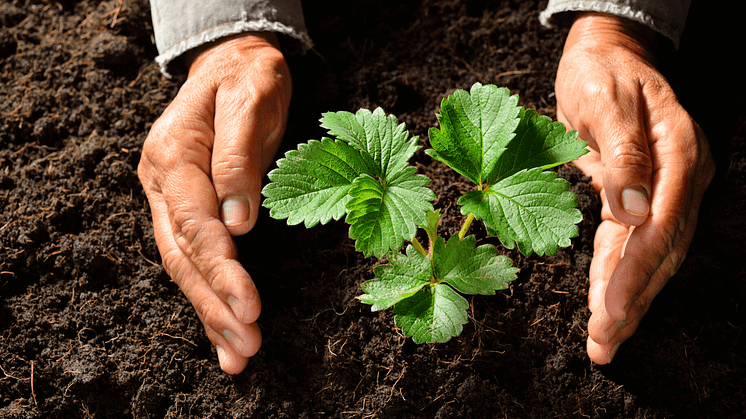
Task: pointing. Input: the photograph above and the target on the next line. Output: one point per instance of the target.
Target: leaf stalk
(465, 227)
(417, 245)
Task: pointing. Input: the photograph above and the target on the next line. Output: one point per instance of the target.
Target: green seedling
(363, 174)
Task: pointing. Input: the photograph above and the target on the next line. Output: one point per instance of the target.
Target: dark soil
(91, 326)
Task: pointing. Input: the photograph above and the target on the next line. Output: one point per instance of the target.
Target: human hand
(202, 166)
(649, 160)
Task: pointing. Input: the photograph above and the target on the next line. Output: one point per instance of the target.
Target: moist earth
(91, 326)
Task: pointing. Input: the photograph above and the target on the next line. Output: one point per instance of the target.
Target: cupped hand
(201, 168)
(649, 160)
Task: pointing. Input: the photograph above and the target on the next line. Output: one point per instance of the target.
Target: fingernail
(635, 201)
(234, 340)
(235, 210)
(239, 308)
(612, 352)
(272, 137)
(221, 355)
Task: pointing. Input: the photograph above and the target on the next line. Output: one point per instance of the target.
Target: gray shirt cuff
(667, 17)
(181, 25)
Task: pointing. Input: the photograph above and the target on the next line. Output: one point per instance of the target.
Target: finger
(202, 238)
(237, 341)
(604, 353)
(637, 306)
(236, 338)
(655, 250)
(608, 334)
(608, 245)
(662, 241)
(623, 145)
(231, 361)
(648, 247)
(230, 333)
(249, 123)
(608, 248)
(612, 122)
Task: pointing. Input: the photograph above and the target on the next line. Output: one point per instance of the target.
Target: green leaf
(382, 216)
(389, 201)
(531, 208)
(378, 135)
(475, 128)
(486, 137)
(471, 270)
(538, 142)
(426, 307)
(435, 314)
(363, 174)
(402, 278)
(311, 184)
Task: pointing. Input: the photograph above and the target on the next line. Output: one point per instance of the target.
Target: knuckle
(627, 155)
(668, 268)
(198, 244)
(642, 303)
(274, 61)
(275, 87)
(673, 229)
(597, 88)
(209, 311)
(231, 166)
(175, 265)
(147, 156)
(143, 172)
(158, 152)
(234, 166)
(189, 231)
(213, 276)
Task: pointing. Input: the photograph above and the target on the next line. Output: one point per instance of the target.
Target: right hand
(650, 162)
(202, 166)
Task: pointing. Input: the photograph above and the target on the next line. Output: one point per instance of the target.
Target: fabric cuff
(667, 17)
(181, 25)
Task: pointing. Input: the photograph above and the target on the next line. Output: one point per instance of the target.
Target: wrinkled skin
(649, 161)
(201, 168)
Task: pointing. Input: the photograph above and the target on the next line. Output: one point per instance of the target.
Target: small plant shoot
(362, 173)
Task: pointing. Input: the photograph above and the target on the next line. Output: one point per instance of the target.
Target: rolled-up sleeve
(181, 25)
(667, 17)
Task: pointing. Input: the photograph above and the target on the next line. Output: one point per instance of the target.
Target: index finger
(656, 248)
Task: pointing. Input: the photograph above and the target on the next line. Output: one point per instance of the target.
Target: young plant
(363, 175)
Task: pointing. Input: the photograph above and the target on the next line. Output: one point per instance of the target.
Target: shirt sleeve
(181, 25)
(667, 17)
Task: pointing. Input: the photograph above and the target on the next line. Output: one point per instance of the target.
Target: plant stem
(466, 226)
(418, 246)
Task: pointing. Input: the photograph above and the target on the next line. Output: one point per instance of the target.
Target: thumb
(246, 139)
(252, 87)
(627, 178)
(628, 167)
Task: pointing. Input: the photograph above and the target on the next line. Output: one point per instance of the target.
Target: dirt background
(90, 325)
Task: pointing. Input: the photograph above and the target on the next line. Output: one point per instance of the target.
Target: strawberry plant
(363, 175)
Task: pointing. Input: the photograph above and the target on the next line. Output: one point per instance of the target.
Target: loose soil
(91, 326)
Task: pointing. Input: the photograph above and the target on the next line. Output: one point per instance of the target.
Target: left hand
(201, 168)
(649, 160)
